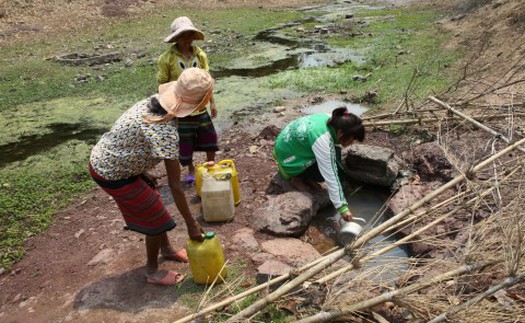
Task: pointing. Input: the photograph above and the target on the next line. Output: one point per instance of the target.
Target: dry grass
(490, 202)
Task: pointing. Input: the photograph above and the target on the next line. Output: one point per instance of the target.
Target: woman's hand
(195, 231)
(173, 171)
(213, 109)
(149, 179)
(347, 216)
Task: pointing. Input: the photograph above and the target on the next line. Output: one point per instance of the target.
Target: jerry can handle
(227, 162)
(208, 164)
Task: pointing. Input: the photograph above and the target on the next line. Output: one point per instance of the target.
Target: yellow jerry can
(221, 169)
(207, 262)
(200, 170)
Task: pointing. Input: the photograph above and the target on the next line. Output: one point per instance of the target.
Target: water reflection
(32, 145)
(328, 106)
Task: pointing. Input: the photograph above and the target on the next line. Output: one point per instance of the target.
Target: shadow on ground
(128, 292)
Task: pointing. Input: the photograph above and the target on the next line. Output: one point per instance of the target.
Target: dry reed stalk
(253, 290)
(471, 120)
(371, 123)
(507, 282)
(331, 315)
(284, 289)
(208, 290)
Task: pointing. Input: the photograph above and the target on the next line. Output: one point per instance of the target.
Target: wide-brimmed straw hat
(191, 92)
(181, 25)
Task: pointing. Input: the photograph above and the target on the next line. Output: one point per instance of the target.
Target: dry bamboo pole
(284, 289)
(470, 119)
(484, 106)
(432, 110)
(248, 292)
(372, 123)
(388, 296)
(385, 249)
(507, 282)
(390, 114)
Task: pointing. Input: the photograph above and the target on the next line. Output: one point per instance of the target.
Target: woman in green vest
(308, 151)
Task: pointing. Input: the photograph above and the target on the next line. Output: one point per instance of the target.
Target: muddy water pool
(328, 106)
(365, 202)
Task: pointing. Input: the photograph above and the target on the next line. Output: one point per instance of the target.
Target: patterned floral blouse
(134, 145)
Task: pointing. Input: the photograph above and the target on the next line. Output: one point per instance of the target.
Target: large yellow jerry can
(206, 259)
(223, 168)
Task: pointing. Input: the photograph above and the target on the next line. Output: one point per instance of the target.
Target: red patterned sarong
(141, 206)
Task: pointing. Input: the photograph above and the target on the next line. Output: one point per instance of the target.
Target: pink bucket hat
(180, 25)
(191, 92)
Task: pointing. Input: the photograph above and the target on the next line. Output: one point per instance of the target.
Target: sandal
(189, 179)
(171, 278)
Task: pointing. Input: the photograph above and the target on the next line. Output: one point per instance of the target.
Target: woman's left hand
(195, 231)
(213, 109)
(347, 216)
(149, 179)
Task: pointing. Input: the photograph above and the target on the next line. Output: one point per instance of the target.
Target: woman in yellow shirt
(197, 132)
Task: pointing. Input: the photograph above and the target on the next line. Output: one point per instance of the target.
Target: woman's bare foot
(165, 277)
(180, 256)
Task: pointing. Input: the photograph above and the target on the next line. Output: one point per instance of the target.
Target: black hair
(156, 108)
(350, 125)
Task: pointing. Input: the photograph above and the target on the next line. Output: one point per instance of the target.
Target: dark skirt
(196, 133)
(141, 206)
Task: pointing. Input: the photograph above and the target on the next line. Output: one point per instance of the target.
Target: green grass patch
(29, 76)
(405, 57)
(32, 191)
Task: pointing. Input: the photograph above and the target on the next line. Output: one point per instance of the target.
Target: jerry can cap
(209, 235)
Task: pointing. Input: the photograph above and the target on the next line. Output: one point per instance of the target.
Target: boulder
(271, 269)
(287, 214)
(279, 185)
(371, 164)
(291, 251)
(244, 239)
(430, 162)
(409, 194)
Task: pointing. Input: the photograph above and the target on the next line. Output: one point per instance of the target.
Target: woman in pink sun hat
(144, 136)
(197, 132)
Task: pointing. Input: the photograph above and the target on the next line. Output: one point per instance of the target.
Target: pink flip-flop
(171, 278)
